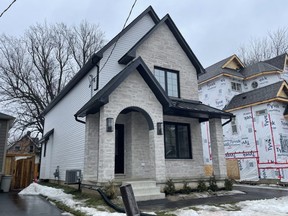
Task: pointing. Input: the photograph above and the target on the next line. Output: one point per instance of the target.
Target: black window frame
(176, 124)
(165, 71)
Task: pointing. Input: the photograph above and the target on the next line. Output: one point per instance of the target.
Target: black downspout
(230, 119)
(78, 120)
(97, 81)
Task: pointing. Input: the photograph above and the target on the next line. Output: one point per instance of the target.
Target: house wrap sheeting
(258, 137)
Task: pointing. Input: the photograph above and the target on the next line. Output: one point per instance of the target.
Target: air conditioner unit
(73, 176)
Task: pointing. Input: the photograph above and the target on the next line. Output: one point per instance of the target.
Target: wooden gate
(22, 170)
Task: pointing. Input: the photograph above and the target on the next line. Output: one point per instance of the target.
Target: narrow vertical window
(234, 126)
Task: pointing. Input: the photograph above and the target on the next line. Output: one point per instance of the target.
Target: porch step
(145, 190)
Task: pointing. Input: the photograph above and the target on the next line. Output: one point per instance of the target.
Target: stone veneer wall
(132, 92)
(91, 147)
(187, 168)
(162, 49)
(217, 148)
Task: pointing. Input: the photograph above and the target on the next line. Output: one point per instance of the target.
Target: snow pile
(67, 199)
(275, 207)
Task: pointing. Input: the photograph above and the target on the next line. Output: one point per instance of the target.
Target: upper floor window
(169, 80)
(236, 86)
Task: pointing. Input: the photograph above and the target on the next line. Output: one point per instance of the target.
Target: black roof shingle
(258, 95)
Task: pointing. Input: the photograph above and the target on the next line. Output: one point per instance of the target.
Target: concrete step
(145, 190)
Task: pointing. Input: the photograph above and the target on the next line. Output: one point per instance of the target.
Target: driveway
(12, 204)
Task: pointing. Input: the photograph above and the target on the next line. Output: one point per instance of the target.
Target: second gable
(162, 49)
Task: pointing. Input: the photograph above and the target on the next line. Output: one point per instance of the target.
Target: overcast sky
(214, 29)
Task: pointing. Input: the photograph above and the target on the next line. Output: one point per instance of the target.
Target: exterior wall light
(159, 128)
(109, 124)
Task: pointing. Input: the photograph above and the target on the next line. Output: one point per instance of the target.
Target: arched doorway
(133, 150)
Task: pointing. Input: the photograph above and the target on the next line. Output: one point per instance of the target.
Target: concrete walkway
(251, 193)
(12, 204)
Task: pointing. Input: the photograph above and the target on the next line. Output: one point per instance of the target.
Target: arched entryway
(133, 151)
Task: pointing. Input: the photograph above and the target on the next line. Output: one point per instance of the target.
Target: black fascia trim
(197, 113)
(184, 45)
(149, 11)
(97, 57)
(131, 54)
(185, 113)
(154, 85)
(74, 81)
(46, 136)
(102, 97)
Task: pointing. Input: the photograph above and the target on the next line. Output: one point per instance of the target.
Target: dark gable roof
(257, 95)
(102, 97)
(271, 65)
(257, 68)
(178, 107)
(6, 117)
(278, 61)
(216, 69)
(149, 11)
(131, 54)
(195, 109)
(96, 58)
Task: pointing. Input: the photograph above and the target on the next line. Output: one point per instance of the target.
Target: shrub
(213, 184)
(110, 190)
(201, 187)
(228, 184)
(169, 188)
(186, 188)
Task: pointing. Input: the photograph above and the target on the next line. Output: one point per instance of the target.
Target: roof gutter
(230, 119)
(78, 120)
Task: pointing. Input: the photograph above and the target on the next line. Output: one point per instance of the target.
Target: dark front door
(119, 149)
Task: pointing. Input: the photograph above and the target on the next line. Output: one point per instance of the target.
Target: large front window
(177, 141)
(168, 80)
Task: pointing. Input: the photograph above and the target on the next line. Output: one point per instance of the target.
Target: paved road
(251, 193)
(12, 204)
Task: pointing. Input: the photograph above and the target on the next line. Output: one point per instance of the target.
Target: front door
(119, 149)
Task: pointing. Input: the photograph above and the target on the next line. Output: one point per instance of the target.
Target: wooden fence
(22, 168)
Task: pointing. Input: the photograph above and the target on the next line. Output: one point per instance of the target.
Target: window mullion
(177, 143)
(166, 82)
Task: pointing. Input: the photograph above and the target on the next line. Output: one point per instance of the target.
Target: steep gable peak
(131, 54)
(283, 91)
(233, 63)
(96, 57)
(279, 61)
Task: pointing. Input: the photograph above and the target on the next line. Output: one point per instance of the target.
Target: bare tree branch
(260, 49)
(36, 67)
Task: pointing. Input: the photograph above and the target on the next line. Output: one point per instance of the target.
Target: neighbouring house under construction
(256, 139)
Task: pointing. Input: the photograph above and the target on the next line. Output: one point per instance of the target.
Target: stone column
(157, 141)
(217, 148)
(91, 147)
(106, 159)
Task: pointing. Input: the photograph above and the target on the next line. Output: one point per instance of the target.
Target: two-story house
(256, 140)
(142, 118)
